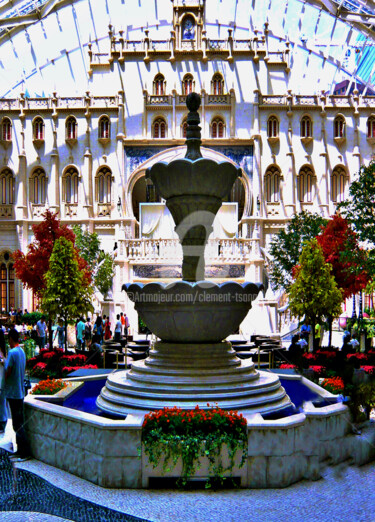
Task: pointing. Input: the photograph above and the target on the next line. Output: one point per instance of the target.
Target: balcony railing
(169, 250)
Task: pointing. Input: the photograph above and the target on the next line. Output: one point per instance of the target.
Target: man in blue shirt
(15, 393)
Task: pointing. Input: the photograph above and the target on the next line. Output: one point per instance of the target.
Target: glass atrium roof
(43, 43)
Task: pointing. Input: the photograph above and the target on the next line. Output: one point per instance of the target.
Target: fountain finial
(193, 132)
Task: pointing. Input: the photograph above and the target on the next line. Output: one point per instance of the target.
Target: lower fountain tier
(185, 375)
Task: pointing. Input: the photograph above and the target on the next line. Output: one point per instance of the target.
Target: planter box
(203, 473)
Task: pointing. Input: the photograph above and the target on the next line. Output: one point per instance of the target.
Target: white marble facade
(94, 93)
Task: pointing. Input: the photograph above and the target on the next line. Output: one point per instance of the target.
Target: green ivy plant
(29, 348)
(172, 433)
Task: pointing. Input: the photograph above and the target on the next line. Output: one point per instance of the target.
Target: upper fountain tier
(194, 189)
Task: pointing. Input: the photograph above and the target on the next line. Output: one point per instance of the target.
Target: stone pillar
(86, 199)
(54, 181)
(21, 211)
(144, 119)
(232, 121)
(120, 153)
(174, 126)
(203, 109)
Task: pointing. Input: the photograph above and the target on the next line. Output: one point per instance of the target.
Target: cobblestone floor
(343, 494)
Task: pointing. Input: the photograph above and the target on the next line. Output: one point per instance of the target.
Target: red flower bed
(358, 356)
(49, 355)
(327, 354)
(334, 385)
(318, 369)
(39, 370)
(310, 356)
(69, 369)
(73, 359)
(177, 420)
(285, 366)
(48, 387)
(369, 369)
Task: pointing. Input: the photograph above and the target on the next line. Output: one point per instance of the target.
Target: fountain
(192, 364)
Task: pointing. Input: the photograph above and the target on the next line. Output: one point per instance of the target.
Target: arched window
(38, 187)
(338, 184)
(217, 84)
(6, 130)
(38, 129)
(71, 128)
(272, 184)
(104, 127)
(272, 127)
(187, 84)
(7, 187)
(159, 85)
(217, 128)
(159, 128)
(71, 185)
(103, 185)
(6, 282)
(371, 127)
(306, 127)
(304, 185)
(339, 127)
(184, 129)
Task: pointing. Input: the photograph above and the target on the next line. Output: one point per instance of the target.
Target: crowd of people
(89, 335)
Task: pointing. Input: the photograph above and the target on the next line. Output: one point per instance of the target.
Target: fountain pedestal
(185, 375)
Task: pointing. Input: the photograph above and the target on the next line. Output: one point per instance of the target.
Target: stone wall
(280, 452)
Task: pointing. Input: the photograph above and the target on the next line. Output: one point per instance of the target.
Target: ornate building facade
(80, 126)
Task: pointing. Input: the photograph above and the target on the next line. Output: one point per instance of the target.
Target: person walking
(41, 329)
(3, 401)
(122, 319)
(80, 333)
(107, 329)
(118, 328)
(126, 327)
(15, 393)
(60, 333)
(98, 328)
(88, 333)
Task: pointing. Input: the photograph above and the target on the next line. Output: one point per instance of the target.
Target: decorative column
(21, 179)
(203, 112)
(290, 178)
(356, 150)
(232, 121)
(54, 182)
(324, 161)
(144, 119)
(120, 153)
(87, 200)
(174, 95)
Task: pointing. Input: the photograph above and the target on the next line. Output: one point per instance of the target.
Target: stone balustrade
(217, 250)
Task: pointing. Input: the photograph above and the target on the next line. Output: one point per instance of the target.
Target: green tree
(314, 292)
(101, 263)
(67, 294)
(286, 247)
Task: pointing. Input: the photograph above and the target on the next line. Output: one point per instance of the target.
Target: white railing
(217, 250)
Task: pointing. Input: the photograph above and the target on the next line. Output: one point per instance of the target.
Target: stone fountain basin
(201, 312)
(202, 177)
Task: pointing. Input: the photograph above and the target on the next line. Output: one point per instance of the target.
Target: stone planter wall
(105, 452)
(102, 451)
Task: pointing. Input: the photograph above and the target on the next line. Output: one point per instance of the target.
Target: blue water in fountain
(84, 399)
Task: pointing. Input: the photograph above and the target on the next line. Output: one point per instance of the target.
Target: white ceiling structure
(44, 43)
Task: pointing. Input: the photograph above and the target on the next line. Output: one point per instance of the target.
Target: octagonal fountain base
(185, 375)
